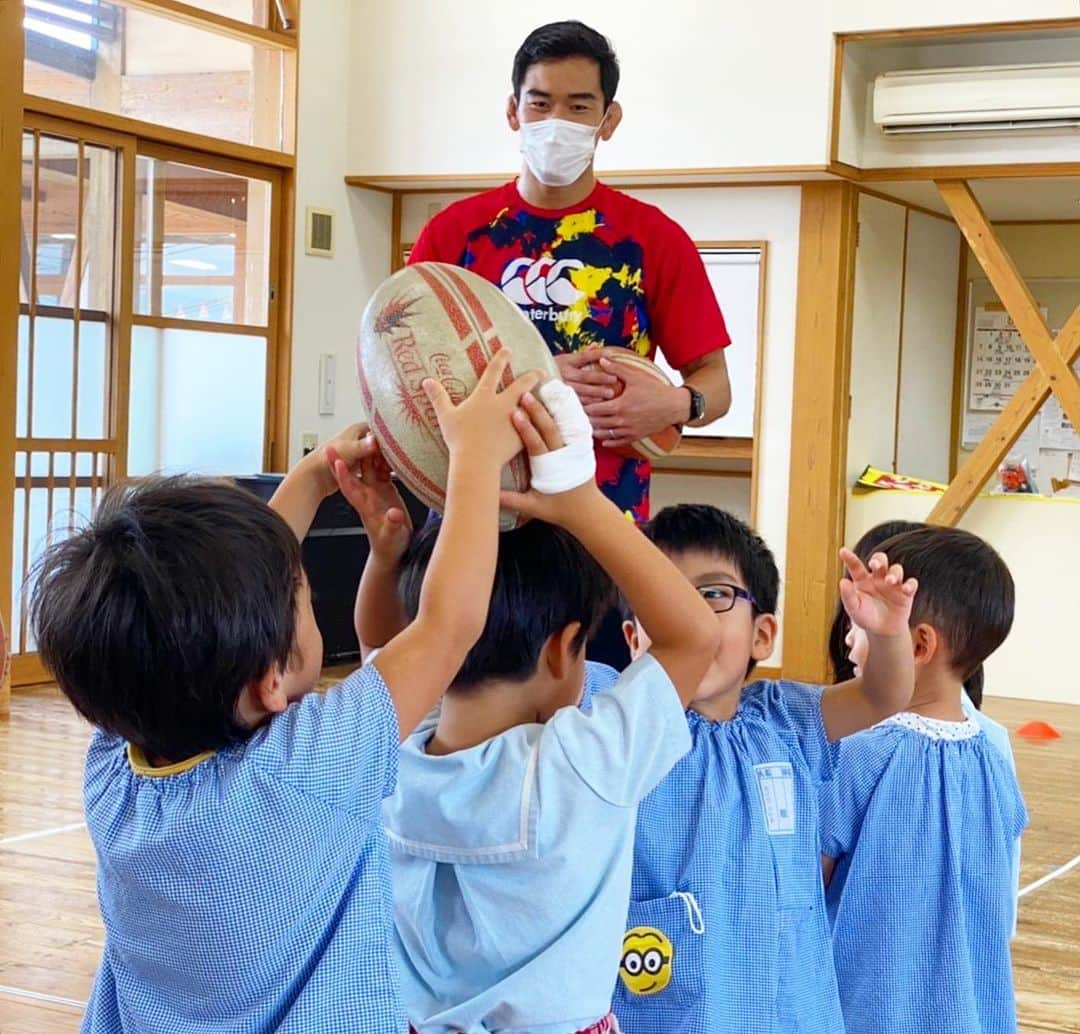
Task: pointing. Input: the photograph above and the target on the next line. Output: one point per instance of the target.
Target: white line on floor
(42, 833)
(36, 996)
(1059, 871)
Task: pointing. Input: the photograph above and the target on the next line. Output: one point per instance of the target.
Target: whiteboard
(735, 275)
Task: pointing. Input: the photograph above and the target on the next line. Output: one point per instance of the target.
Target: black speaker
(334, 551)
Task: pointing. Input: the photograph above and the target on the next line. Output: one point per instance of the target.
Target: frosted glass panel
(198, 402)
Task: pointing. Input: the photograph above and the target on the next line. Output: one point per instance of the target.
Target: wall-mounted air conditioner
(990, 99)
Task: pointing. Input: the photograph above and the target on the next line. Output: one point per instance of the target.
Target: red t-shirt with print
(610, 271)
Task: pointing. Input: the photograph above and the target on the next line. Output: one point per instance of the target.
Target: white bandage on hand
(575, 463)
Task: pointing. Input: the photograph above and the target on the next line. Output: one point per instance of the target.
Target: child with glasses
(921, 818)
(727, 931)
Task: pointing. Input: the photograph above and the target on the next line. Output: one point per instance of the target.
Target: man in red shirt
(588, 264)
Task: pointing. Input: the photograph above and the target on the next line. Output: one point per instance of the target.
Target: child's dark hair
(965, 591)
(698, 526)
(179, 593)
(866, 547)
(869, 544)
(708, 529)
(544, 581)
(568, 39)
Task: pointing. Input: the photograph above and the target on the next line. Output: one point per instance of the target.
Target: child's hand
(876, 597)
(350, 445)
(371, 492)
(542, 438)
(480, 425)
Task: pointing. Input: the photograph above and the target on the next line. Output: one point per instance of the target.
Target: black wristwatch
(697, 404)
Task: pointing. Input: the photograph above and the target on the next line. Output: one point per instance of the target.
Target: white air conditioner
(988, 99)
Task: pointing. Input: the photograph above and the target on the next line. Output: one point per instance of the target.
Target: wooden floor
(51, 937)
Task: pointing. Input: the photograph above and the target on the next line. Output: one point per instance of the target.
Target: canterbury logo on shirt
(542, 281)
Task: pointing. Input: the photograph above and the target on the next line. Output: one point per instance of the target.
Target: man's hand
(876, 596)
(370, 490)
(643, 408)
(579, 370)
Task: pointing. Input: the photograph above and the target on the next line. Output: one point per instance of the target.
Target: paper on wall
(1074, 467)
(1057, 429)
(977, 425)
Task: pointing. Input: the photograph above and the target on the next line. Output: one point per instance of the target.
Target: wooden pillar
(818, 493)
(11, 116)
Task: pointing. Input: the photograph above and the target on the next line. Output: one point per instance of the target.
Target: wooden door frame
(11, 117)
(819, 424)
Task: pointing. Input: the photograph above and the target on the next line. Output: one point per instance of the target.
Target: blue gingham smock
(249, 890)
(923, 817)
(727, 867)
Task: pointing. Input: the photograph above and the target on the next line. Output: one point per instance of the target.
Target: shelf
(715, 449)
(732, 457)
(434, 184)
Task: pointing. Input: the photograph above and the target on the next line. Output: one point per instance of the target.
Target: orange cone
(1038, 731)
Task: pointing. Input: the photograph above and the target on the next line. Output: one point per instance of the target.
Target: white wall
(861, 15)
(875, 335)
(903, 328)
(729, 493)
(704, 85)
(1034, 537)
(330, 293)
(929, 347)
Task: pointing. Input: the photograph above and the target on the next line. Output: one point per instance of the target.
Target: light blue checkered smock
(924, 830)
(251, 892)
(727, 867)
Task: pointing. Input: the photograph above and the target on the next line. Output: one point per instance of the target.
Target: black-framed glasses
(722, 596)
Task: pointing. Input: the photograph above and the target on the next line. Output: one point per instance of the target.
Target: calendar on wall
(1000, 361)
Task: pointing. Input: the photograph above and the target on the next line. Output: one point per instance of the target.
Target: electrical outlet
(309, 442)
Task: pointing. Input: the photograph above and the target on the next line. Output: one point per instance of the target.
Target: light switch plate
(327, 383)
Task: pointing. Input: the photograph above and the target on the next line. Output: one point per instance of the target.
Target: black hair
(179, 593)
(568, 39)
(965, 591)
(869, 544)
(697, 526)
(866, 547)
(544, 581)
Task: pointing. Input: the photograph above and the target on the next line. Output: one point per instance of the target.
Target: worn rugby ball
(664, 442)
(439, 321)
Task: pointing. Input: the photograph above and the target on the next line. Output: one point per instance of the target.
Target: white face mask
(556, 151)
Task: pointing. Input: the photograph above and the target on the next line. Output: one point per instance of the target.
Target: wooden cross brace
(1054, 356)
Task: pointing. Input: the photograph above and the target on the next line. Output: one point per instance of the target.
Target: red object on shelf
(1038, 731)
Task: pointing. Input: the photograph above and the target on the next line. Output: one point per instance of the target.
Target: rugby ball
(664, 442)
(439, 321)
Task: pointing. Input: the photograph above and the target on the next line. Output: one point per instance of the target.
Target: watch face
(697, 405)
